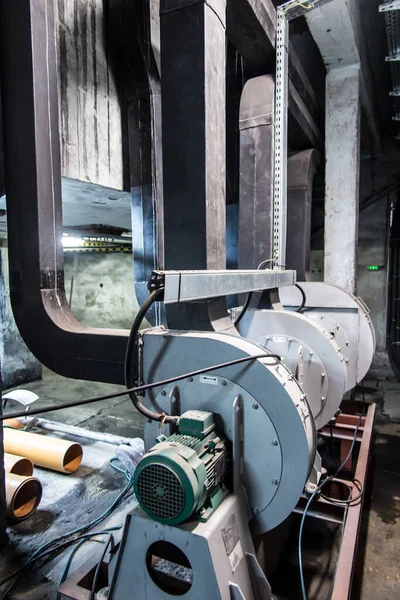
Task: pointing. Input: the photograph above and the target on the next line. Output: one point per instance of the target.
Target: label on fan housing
(233, 547)
(209, 379)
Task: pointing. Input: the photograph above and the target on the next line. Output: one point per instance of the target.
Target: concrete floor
(95, 485)
(381, 523)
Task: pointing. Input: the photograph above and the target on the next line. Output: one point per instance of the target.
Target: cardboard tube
(18, 465)
(43, 450)
(23, 496)
(14, 423)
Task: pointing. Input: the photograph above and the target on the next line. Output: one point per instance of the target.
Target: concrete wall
(100, 289)
(18, 363)
(375, 174)
(90, 116)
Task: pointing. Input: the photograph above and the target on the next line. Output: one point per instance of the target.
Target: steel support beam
(33, 182)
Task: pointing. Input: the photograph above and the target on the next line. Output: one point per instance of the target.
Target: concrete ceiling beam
(338, 31)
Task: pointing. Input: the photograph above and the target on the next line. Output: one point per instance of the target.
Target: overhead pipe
(44, 451)
(23, 496)
(34, 203)
(18, 465)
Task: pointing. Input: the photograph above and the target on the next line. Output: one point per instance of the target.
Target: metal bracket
(189, 286)
(395, 5)
(237, 443)
(315, 475)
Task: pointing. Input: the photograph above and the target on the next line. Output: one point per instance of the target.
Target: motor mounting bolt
(275, 482)
(163, 393)
(190, 379)
(274, 442)
(223, 382)
(255, 406)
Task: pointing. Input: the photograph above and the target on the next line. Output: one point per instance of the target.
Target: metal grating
(160, 491)
(392, 18)
(395, 70)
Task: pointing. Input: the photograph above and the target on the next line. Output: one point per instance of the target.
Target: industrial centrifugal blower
(231, 425)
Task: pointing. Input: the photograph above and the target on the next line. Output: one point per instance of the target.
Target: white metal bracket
(395, 5)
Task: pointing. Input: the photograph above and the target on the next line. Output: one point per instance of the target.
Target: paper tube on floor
(14, 423)
(18, 465)
(43, 450)
(23, 495)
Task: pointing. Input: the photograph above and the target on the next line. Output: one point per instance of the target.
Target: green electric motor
(183, 475)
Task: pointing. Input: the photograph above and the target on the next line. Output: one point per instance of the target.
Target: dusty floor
(86, 494)
(381, 523)
(71, 500)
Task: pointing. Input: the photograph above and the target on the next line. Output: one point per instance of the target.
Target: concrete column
(342, 148)
(193, 66)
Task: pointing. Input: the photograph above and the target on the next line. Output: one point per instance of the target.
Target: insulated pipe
(18, 465)
(98, 436)
(44, 451)
(23, 495)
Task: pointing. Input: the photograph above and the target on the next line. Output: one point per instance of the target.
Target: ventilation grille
(160, 491)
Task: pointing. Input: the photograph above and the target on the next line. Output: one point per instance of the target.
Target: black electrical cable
(303, 298)
(332, 446)
(68, 564)
(246, 305)
(48, 555)
(244, 309)
(351, 500)
(312, 497)
(130, 348)
(140, 388)
(98, 568)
